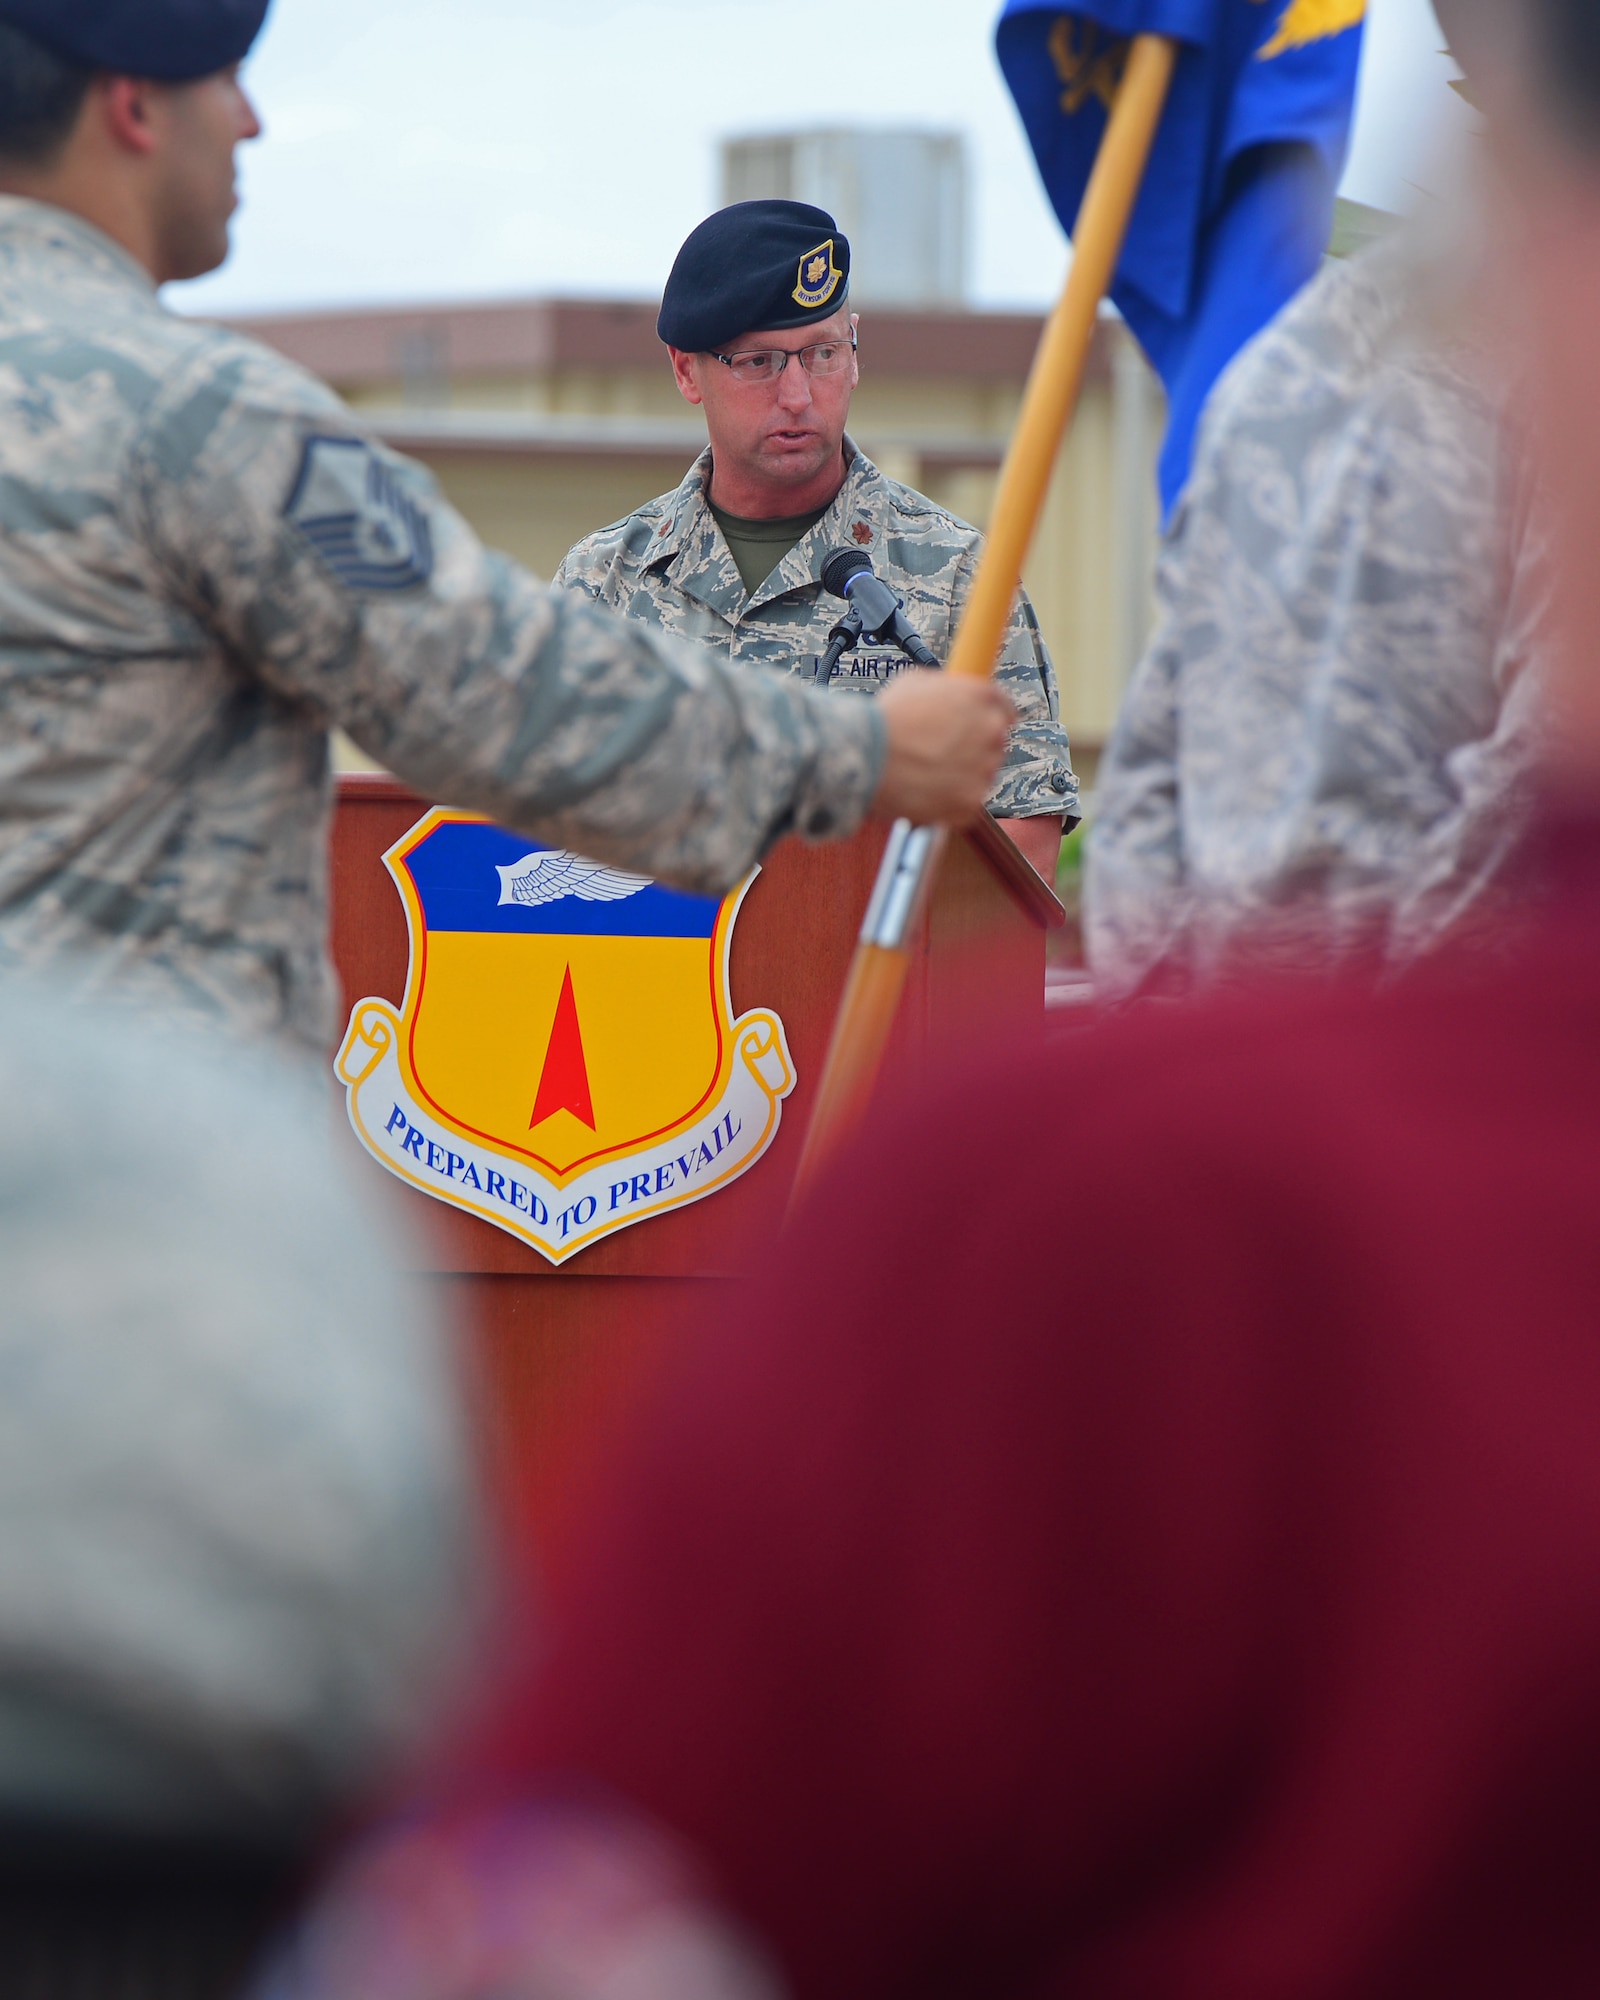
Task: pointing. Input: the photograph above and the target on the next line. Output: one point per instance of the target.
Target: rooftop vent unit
(900, 197)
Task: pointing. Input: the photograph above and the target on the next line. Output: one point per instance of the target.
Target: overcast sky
(475, 149)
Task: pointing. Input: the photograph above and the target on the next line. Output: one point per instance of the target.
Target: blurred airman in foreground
(239, 1535)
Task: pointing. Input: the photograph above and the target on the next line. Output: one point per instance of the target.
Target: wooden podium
(556, 1342)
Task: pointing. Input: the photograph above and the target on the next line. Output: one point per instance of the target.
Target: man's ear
(686, 375)
(127, 103)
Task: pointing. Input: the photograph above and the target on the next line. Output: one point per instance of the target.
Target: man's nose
(794, 385)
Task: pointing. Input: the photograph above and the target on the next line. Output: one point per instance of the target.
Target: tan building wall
(536, 508)
(548, 420)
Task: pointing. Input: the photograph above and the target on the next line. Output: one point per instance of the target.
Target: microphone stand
(840, 640)
(907, 638)
(849, 629)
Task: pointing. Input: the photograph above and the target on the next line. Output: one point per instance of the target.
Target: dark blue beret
(755, 266)
(173, 41)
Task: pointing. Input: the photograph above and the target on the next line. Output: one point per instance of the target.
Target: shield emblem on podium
(566, 1061)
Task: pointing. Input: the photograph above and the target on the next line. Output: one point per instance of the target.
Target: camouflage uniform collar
(684, 511)
(698, 560)
(60, 229)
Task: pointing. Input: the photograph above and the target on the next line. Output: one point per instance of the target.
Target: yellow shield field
(564, 1013)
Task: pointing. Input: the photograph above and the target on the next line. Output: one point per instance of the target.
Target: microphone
(849, 574)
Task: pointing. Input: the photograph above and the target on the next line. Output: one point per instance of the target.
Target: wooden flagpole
(911, 859)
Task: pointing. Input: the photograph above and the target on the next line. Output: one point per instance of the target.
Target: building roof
(541, 336)
(497, 434)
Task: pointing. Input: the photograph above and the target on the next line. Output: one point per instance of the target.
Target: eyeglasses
(768, 364)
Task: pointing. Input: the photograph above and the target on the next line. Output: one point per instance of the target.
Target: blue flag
(1237, 206)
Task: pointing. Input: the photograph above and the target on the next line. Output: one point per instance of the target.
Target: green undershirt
(757, 547)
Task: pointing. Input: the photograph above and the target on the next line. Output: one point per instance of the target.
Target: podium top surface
(1022, 881)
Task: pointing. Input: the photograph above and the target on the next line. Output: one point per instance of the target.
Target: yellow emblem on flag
(1307, 21)
(819, 276)
(566, 1061)
(1089, 60)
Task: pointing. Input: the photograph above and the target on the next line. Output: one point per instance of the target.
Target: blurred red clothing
(1181, 1582)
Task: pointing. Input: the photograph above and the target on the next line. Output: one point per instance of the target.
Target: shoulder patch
(355, 512)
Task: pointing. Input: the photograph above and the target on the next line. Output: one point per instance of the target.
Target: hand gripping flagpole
(911, 858)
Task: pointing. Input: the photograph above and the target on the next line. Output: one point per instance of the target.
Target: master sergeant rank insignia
(353, 508)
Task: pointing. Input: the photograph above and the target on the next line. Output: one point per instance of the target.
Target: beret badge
(819, 277)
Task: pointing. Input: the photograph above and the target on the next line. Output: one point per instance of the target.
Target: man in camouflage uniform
(1324, 758)
(734, 557)
(206, 563)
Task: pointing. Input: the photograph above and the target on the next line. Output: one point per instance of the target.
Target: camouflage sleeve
(332, 568)
(1036, 778)
(1461, 876)
(1135, 902)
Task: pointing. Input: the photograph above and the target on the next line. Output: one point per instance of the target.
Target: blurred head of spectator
(237, 1531)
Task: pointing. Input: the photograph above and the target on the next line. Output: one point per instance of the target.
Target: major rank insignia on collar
(819, 276)
(566, 1061)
